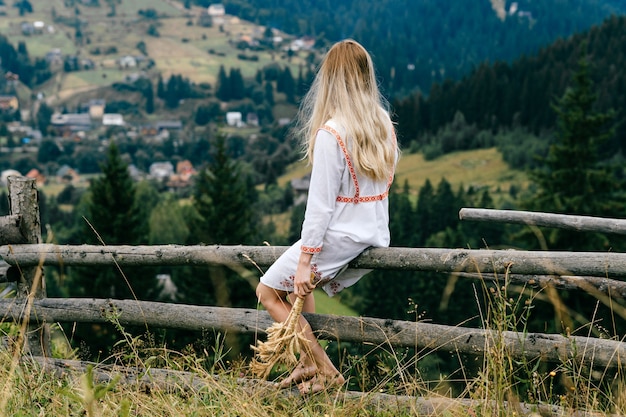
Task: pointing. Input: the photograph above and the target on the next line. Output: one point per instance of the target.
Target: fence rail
(597, 264)
(21, 248)
(378, 332)
(561, 221)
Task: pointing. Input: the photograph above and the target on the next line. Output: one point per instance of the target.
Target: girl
(350, 141)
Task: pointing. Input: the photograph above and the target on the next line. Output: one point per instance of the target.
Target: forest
(415, 44)
(555, 113)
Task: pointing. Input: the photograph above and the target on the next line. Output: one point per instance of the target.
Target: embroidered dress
(345, 214)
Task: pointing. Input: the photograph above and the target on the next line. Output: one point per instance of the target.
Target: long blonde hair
(345, 89)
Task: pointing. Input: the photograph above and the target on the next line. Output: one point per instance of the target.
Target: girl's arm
(328, 165)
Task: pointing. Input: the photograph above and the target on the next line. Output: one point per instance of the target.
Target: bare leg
(314, 356)
(306, 368)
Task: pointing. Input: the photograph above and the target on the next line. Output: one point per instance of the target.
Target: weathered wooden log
(561, 221)
(606, 286)
(10, 231)
(548, 347)
(599, 264)
(23, 203)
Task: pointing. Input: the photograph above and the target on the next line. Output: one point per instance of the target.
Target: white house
(161, 170)
(112, 119)
(216, 13)
(216, 10)
(127, 61)
(234, 118)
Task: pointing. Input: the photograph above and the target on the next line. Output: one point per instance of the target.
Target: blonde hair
(345, 89)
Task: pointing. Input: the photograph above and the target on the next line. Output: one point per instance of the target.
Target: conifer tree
(223, 85)
(423, 214)
(401, 225)
(572, 179)
(237, 87)
(221, 197)
(112, 218)
(223, 215)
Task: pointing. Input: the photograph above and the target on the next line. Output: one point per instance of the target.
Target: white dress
(345, 214)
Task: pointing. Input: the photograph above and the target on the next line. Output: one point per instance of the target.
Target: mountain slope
(521, 93)
(416, 43)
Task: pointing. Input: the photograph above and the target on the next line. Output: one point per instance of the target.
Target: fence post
(23, 203)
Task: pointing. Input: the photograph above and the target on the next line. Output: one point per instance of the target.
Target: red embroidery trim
(309, 249)
(356, 199)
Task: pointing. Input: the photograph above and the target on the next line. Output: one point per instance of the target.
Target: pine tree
(149, 95)
(401, 224)
(572, 180)
(237, 87)
(269, 92)
(223, 85)
(289, 85)
(424, 226)
(160, 88)
(222, 213)
(221, 199)
(112, 218)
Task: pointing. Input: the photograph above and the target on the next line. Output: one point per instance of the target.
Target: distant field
(479, 168)
(181, 48)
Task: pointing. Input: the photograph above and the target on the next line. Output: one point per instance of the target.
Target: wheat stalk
(284, 343)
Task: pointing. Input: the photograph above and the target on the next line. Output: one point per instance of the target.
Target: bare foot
(300, 374)
(321, 383)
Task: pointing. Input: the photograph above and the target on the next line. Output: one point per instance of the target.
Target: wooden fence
(25, 255)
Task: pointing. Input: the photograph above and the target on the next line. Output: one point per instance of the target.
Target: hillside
(521, 93)
(416, 43)
(168, 38)
(481, 169)
(431, 40)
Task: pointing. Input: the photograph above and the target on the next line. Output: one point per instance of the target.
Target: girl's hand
(302, 283)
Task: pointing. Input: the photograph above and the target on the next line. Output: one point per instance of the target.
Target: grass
(181, 48)
(191, 383)
(481, 168)
(169, 383)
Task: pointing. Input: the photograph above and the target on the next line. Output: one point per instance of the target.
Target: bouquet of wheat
(284, 343)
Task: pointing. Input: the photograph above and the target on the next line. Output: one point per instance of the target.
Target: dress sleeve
(328, 165)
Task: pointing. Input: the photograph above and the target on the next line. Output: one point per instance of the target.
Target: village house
(39, 178)
(94, 107)
(300, 187)
(234, 118)
(54, 58)
(66, 124)
(161, 170)
(182, 177)
(39, 27)
(284, 121)
(302, 44)
(9, 103)
(67, 175)
(127, 61)
(27, 28)
(28, 135)
(252, 119)
(216, 12)
(169, 125)
(113, 119)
